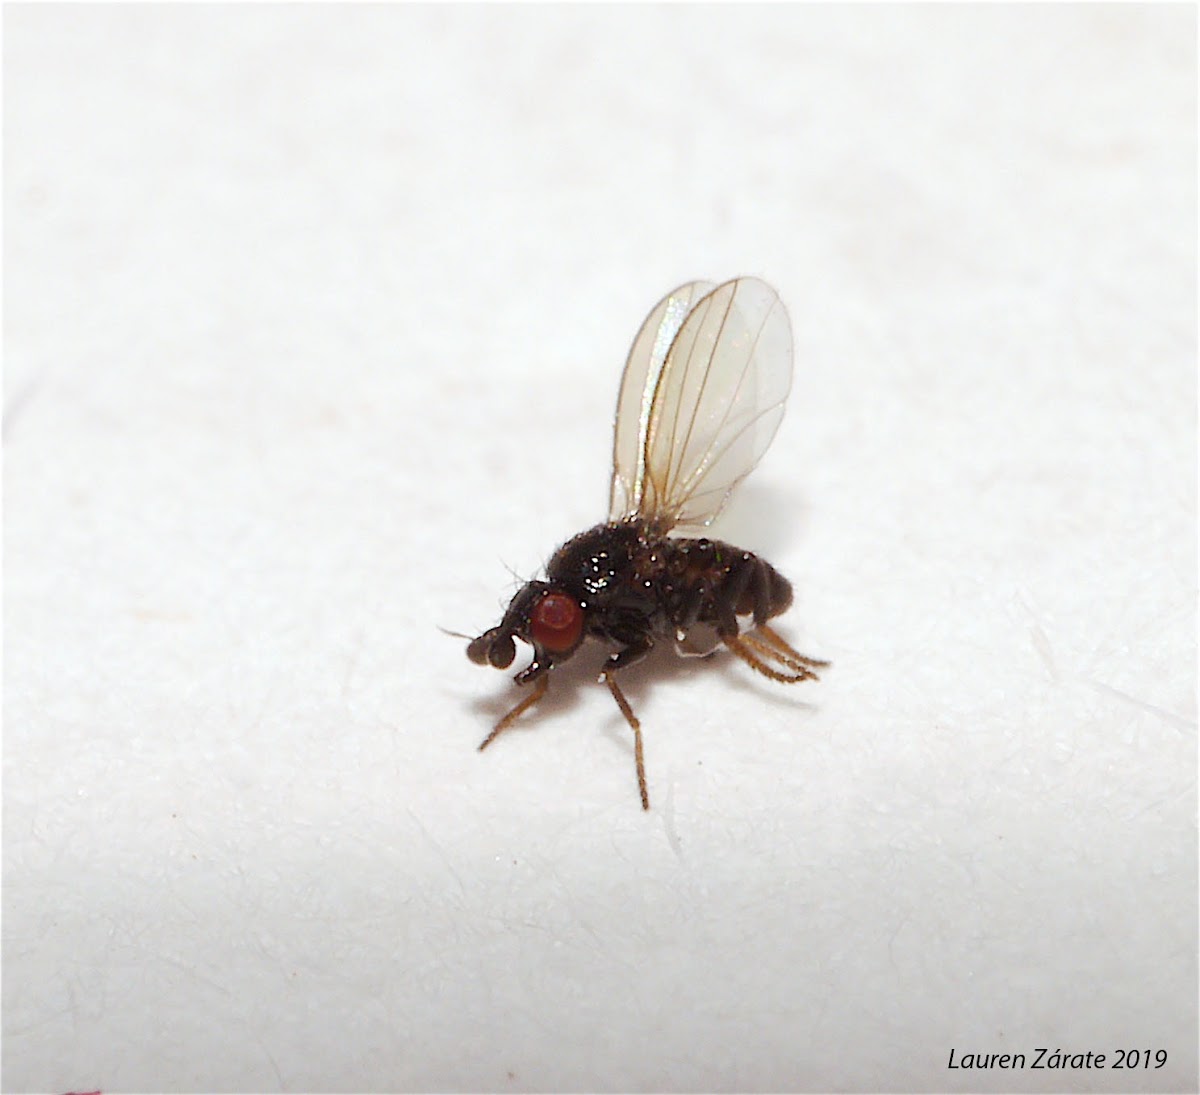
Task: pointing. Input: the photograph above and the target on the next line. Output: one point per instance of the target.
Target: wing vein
(704, 381)
(746, 371)
(706, 304)
(713, 456)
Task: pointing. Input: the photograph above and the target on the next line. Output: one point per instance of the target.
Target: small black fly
(701, 398)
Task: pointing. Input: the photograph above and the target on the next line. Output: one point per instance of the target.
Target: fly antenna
(454, 634)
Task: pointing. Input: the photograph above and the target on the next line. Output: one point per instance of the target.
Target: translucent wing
(643, 368)
(710, 404)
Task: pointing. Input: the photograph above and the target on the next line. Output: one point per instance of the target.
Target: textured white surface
(314, 320)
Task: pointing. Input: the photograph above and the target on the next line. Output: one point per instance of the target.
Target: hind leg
(760, 653)
(787, 654)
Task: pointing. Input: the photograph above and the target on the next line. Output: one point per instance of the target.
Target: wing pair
(701, 398)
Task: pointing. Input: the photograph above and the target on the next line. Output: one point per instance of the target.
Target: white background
(314, 323)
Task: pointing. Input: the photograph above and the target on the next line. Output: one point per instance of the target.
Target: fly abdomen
(712, 582)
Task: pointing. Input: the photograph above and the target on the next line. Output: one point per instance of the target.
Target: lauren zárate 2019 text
(1044, 1057)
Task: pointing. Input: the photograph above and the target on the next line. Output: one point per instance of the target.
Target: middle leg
(630, 718)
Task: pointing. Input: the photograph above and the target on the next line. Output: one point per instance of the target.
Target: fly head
(541, 615)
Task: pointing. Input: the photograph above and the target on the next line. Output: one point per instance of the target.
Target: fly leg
(690, 610)
(635, 651)
(772, 595)
(788, 655)
(751, 652)
(755, 589)
(539, 690)
(757, 653)
(728, 595)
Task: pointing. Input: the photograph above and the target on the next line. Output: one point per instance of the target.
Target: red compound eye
(556, 623)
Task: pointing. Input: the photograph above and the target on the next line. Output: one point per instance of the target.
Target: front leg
(539, 690)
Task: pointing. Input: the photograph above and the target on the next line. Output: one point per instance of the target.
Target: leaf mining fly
(701, 398)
